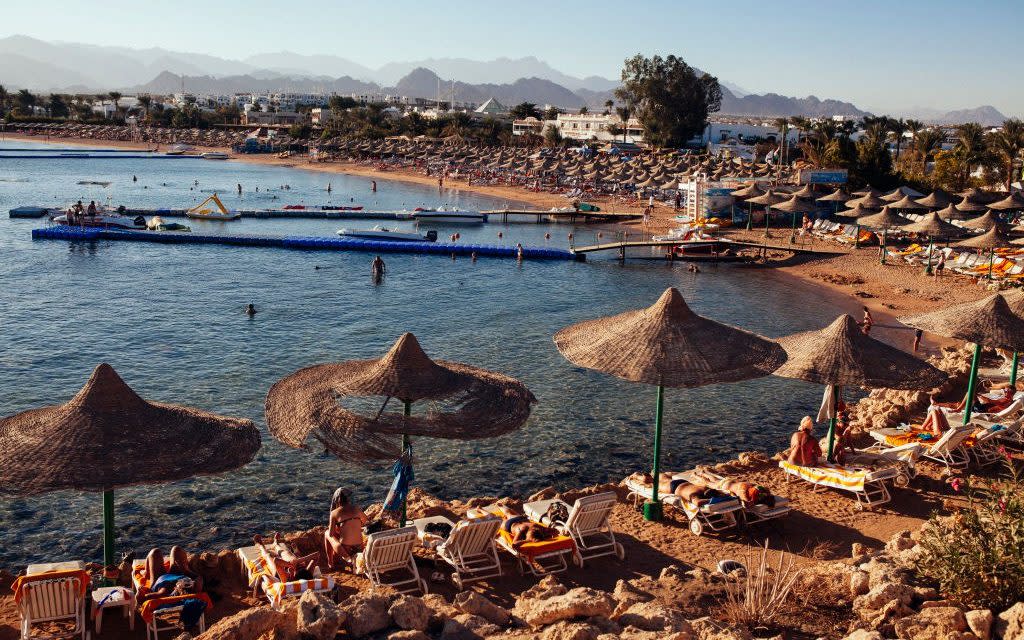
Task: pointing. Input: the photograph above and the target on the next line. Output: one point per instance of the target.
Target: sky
(880, 55)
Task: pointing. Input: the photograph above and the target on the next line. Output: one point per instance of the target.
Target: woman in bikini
(344, 536)
(283, 563)
(163, 580)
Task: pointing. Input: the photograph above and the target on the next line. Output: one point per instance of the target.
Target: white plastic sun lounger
(948, 450)
(868, 485)
(470, 548)
(261, 580)
(719, 515)
(751, 513)
(388, 553)
(56, 600)
(904, 458)
(587, 523)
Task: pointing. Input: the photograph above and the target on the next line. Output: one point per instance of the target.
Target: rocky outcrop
(410, 613)
(581, 602)
(254, 623)
(1009, 625)
(319, 617)
(475, 604)
(366, 614)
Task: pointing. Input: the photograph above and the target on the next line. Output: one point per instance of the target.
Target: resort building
(529, 125)
(275, 117)
(597, 126)
(492, 108)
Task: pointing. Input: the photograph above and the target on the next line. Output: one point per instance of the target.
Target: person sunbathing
(283, 563)
(174, 579)
(748, 493)
(804, 450)
(695, 494)
(935, 422)
(523, 530)
(343, 538)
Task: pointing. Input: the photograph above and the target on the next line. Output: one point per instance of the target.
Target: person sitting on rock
(343, 538)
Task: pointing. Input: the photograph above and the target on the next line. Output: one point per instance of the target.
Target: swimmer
(239, 188)
(378, 268)
(373, 186)
(135, 178)
(250, 309)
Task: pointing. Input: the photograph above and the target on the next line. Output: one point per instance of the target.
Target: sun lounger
(388, 553)
(538, 558)
(469, 548)
(867, 484)
(56, 597)
(904, 458)
(586, 523)
(947, 450)
(751, 513)
(259, 577)
(717, 515)
(160, 614)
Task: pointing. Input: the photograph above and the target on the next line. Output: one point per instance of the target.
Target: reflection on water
(171, 320)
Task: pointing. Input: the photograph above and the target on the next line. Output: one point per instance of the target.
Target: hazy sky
(887, 55)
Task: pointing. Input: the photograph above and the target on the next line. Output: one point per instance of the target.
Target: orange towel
(531, 550)
(24, 582)
(148, 608)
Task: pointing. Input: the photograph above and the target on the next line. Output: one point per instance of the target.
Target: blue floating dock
(63, 232)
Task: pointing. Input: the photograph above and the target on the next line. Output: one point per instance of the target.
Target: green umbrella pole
(108, 528)
(928, 269)
(969, 402)
(405, 445)
(652, 509)
(832, 422)
(767, 217)
(1013, 371)
(991, 259)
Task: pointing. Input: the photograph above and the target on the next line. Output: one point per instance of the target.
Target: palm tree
(145, 101)
(624, 114)
(927, 142)
(970, 147)
(5, 98)
(608, 104)
(783, 125)
(1007, 143)
(897, 127)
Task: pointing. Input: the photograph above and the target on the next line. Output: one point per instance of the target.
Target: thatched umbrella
(752, 190)
(901, 192)
(989, 321)
(838, 196)
(934, 226)
(107, 437)
(936, 199)
(768, 199)
(992, 239)
(868, 201)
(951, 212)
(807, 193)
(1012, 202)
(794, 206)
(969, 204)
(985, 222)
(467, 403)
(884, 220)
(906, 203)
(842, 355)
(668, 345)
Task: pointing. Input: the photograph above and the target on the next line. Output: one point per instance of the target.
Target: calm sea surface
(169, 319)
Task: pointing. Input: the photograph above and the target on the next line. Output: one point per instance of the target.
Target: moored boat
(202, 212)
(383, 233)
(213, 155)
(452, 216)
(106, 220)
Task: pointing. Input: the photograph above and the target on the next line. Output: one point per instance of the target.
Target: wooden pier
(717, 246)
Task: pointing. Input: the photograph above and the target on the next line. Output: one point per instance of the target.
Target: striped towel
(278, 591)
(258, 569)
(829, 475)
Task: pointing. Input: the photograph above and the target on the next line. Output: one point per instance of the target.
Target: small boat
(103, 219)
(452, 215)
(214, 155)
(178, 149)
(156, 223)
(203, 212)
(383, 233)
(330, 207)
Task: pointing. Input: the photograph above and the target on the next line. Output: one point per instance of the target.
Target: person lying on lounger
(695, 494)
(283, 563)
(344, 536)
(804, 450)
(748, 493)
(523, 530)
(175, 579)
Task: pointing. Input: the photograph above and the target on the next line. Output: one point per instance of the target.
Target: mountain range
(80, 68)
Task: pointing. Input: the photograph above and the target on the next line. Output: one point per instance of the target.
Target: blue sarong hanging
(400, 485)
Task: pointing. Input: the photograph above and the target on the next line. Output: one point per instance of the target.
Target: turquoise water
(169, 319)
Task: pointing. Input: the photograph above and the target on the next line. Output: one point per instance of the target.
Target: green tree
(525, 110)
(668, 98)
(782, 124)
(552, 136)
(145, 102)
(897, 128)
(341, 103)
(584, 110)
(58, 107)
(26, 100)
(551, 113)
(874, 162)
(926, 143)
(300, 130)
(608, 104)
(5, 100)
(970, 148)
(1007, 145)
(114, 96)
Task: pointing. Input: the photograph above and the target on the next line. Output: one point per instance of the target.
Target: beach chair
(160, 614)
(258, 577)
(469, 548)
(51, 599)
(541, 558)
(388, 553)
(948, 450)
(751, 513)
(867, 484)
(719, 514)
(586, 523)
(903, 458)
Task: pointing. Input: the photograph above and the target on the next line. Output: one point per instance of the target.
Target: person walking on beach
(679, 200)
(917, 339)
(940, 266)
(865, 325)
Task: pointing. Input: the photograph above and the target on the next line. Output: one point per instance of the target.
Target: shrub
(762, 595)
(977, 554)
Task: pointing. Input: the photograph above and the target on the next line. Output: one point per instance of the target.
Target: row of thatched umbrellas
(107, 437)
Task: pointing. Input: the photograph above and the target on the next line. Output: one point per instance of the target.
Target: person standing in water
(250, 309)
(328, 187)
(239, 188)
(378, 268)
(373, 186)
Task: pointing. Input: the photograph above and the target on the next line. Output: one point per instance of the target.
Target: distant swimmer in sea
(239, 188)
(328, 187)
(250, 309)
(135, 178)
(373, 186)
(519, 252)
(378, 269)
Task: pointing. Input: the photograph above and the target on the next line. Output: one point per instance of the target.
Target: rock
(858, 550)
(606, 625)
(935, 604)
(548, 587)
(882, 619)
(926, 593)
(633, 633)
(654, 616)
(184, 635)
(439, 607)
(253, 623)
(864, 634)
(455, 630)
(882, 571)
(410, 613)
(937, 623)
(900, 542)
(477, 624)
(366, 614)
(473, 603)
(707, 629)
(979, 622)
(571, 631)
(626, 595)
(698, 573)
(547, 493)
(881, 595)
(673, 573)
(860, 583)
(318, 616)
(581, 602)
(1010, 623)
(408, 635)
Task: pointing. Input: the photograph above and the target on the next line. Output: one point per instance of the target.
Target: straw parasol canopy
(970, 204)
(857, 211)
(991, 239)
(752, 190)
(839, 195)
(869, 202)
(1012, 202)
(989, 321)
(466, 403)
(770, 198)
(951, 212)
(902, 192)
(884, 219)
(806, 192)
(668, 344)
(987, 221)
(841, 354)
(933, 225)
(907, 204)
(795, 205)
(936, 199)
(107, 437)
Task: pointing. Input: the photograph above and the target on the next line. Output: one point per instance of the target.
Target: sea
(170, 320)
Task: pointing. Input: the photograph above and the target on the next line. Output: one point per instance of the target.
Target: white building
(596, 126)
(526, 126)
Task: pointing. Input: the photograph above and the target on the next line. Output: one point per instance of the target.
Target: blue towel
(191, 611)
(403, 479)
